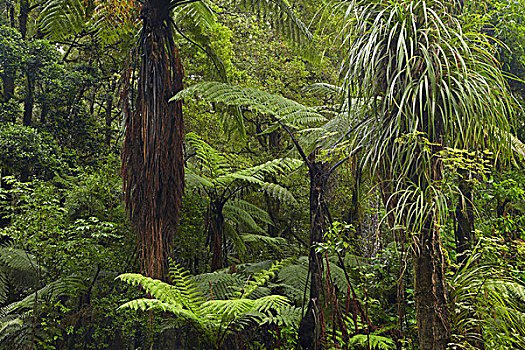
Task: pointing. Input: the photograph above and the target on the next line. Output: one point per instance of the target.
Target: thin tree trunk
(310, 329)
(464, 230)
(109, 107)
(22, 18)
(216, 234)
(29, 101)
(12, 16)
(44, 112)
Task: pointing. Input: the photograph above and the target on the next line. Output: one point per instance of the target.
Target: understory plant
(214, 319)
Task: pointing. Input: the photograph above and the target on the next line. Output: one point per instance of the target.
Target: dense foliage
(262, 174)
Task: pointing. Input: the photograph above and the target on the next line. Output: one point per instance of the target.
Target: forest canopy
(262, 174)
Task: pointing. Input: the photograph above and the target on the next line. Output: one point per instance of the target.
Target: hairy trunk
(152, 162)
(310, 330)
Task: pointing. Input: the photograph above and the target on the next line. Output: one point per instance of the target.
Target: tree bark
(310, 329)
(29, 100)
(22, 18)
(109, 107)
(464, 231)
(430, 290)
(152, 161)
(216, 234)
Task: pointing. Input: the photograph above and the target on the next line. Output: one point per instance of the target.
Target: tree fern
(287, 111)
(281, 17)
(363, 341)
(105, 20)
(225, 183)
(60, 18)
(183, 300)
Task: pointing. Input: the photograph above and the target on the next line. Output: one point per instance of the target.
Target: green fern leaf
(285, 110)
(376, 342)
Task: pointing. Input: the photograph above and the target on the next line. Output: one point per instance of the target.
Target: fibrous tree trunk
(152, 162)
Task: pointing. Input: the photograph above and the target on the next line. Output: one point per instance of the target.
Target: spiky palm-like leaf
(487, 306)
(422, 73)
(430, 85)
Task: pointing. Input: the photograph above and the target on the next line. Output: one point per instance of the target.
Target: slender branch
(212, 58)
(344, 136)
(344, 160)
(299, 148)
(177, 3)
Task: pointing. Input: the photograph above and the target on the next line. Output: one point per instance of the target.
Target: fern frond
(259, 279)
(162, 291)
(271, 302)
(209, 157)
(198, 13)
(288, 111)
(19, 259)
(278, 192)
(273, 241)
(61, 18)
(4, 288)
(372, 341)
(10, 326)
(324, 89)
(186, 287)
(282, 18)
(194, 179)
(254, 211)
(240, 216)
(218, 284)
(227, 309)
(288, 316)
(295, 276)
